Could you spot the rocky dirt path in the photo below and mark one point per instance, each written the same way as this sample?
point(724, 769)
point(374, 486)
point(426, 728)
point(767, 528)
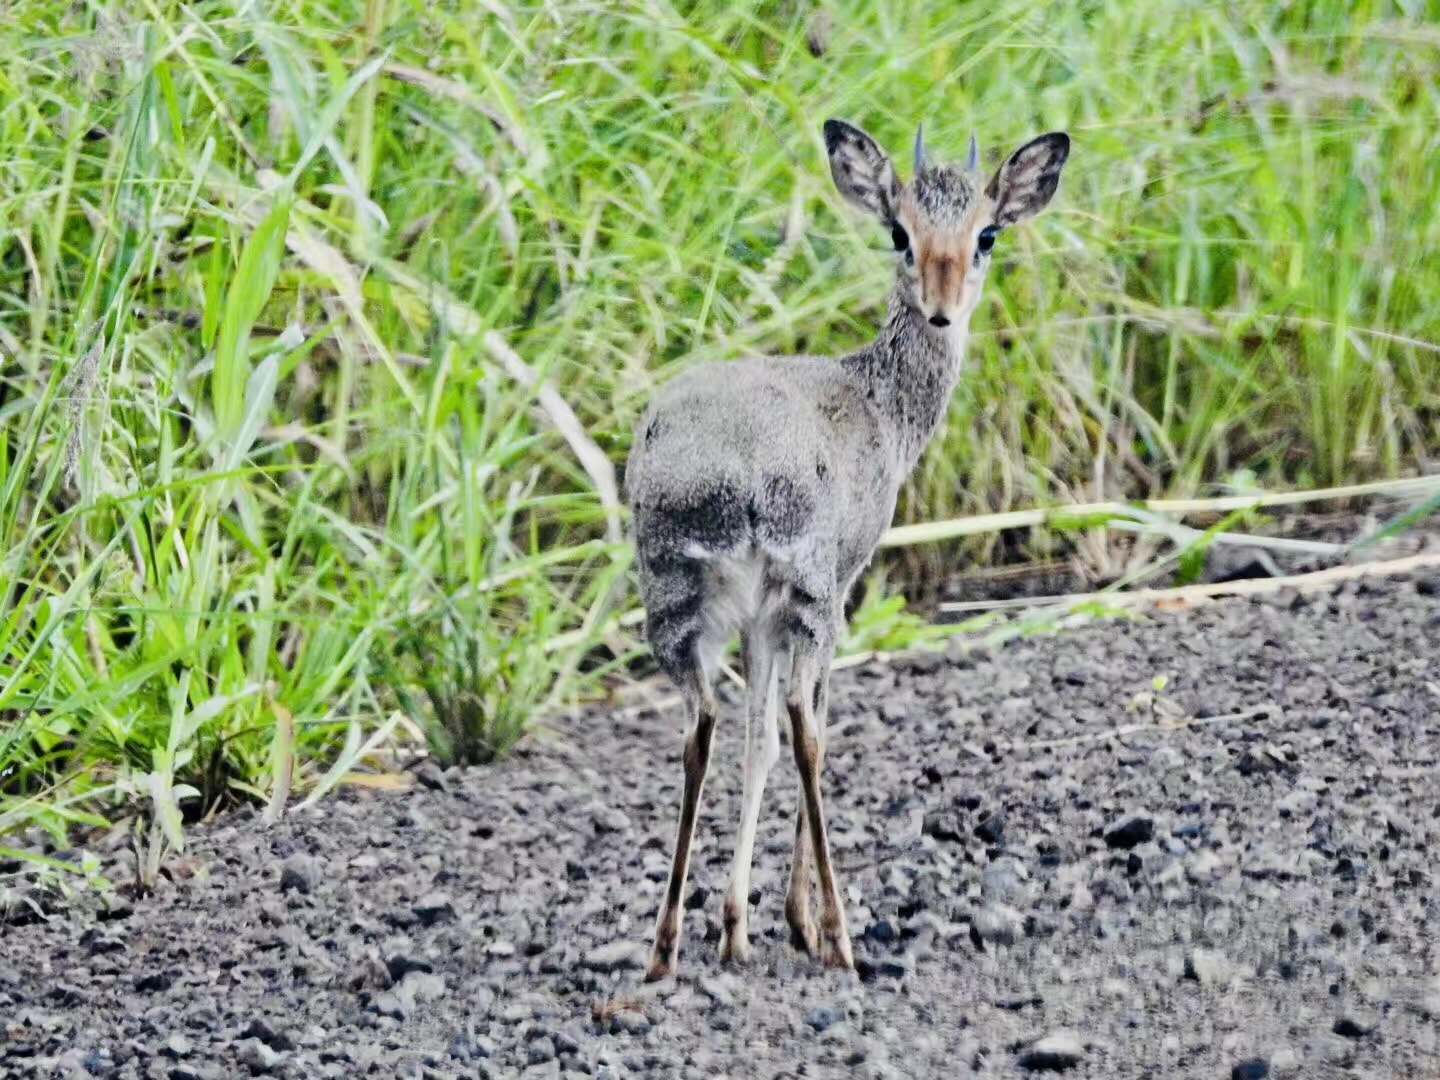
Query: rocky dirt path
point(1244, 882)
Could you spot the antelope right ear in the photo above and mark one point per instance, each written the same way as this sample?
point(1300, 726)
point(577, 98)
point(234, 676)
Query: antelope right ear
point(862, 171)
point(1028, 179)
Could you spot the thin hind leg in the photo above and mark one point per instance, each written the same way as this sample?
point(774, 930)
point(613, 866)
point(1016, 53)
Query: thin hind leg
point(700, 702)
point(762, 749)
point(801, 701)
point(803, 934)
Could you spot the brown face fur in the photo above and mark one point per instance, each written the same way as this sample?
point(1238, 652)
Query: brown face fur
point(942, 211)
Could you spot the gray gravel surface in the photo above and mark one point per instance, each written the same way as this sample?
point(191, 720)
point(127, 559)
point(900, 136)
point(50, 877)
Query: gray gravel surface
point(1052, 867)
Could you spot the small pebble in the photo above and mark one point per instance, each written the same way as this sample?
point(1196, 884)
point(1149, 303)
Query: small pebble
point(823, 1016)
point(300, 873)
point(257, 1057)
point(616, 956)
point(1056, 1052)
point(1130, 832)
point(1354, 1025)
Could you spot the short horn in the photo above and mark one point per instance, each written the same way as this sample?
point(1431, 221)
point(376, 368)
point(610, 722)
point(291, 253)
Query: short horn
point(919, 147)
point(972, 160)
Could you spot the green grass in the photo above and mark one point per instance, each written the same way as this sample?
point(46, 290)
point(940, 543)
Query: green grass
point(263, 491)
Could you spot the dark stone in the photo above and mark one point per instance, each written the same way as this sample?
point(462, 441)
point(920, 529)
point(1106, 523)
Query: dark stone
point(631, 1022)
point(257, 1057)
point(882, 931)
point(276, 1040)
point(394, 1004)
point(300, 873)
point(401, 964)
point(615, 956)
point(155, 981)
point(565, 1043)
point(1252, 764)
point(823, 1017)
point(66, 995)
point(1015, 1004)
point(434, 908)
point(1054, 1053)
point(944, 825)
point(116, 908)
point(991, 827)
point(1128, 833)
point(1353, 1026)
point(431, 776)
point(98, 943)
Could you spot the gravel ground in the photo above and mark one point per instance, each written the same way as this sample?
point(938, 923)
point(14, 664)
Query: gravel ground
point(1249, 893)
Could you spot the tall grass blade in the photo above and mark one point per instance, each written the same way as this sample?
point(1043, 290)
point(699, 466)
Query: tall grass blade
point(245, 297)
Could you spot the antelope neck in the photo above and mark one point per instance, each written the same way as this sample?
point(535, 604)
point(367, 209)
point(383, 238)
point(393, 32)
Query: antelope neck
point(908, 373)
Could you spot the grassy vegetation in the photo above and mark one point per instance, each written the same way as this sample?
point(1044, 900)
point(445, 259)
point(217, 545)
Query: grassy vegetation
point(267, 501)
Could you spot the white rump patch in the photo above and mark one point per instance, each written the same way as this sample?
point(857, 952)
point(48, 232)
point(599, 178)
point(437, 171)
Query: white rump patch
point(736, 600)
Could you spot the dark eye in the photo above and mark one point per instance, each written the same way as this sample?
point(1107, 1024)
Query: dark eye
point(986, 240)
point(899, 237)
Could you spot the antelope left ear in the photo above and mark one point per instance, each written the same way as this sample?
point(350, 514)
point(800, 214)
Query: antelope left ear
point(862, 171)
point(1027, 181)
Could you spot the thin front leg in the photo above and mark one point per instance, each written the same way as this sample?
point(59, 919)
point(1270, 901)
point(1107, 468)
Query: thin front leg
point(762, 749)
point(702, 707)
point(805, 736)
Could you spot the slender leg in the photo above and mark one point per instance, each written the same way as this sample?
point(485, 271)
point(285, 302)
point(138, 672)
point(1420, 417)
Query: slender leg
point(701, 702)
point(805, 733)
point(762, 750)
point(797, 898)
point(803, 935)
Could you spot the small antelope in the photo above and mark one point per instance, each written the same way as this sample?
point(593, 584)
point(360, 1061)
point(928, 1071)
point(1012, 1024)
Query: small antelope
point(760, 488)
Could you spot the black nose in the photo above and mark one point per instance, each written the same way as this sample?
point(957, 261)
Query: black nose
point(939, 320)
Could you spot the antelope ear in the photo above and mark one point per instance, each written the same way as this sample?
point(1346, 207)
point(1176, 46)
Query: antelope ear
point(1027, 181)
point(861, 170)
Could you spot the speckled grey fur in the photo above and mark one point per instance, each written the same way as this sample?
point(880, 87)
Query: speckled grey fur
point(797, 458)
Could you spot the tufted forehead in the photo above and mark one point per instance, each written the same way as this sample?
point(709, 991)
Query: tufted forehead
point(943, 194)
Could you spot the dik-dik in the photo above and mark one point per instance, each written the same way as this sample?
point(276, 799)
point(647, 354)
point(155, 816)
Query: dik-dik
point(761, 487)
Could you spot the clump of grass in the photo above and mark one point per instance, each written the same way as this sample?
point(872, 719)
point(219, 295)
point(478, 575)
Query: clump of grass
point(482, 678)
point(256, 466)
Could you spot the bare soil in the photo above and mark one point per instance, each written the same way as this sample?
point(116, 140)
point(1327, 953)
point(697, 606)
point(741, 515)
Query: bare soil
point(1196, 844)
